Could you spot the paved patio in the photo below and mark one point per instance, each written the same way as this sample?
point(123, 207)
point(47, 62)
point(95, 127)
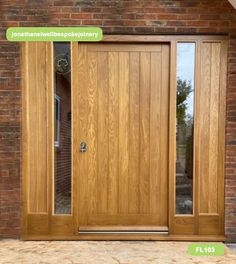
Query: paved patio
point(232, 247)
point(78, 252)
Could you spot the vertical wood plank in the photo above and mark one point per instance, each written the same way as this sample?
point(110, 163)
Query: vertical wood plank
point(37, 118)
point(221, 139)
point(92, 130)
point(25, 136)
point(50, 128)
point(144, 131)
point(74, 132)
point(42, 128)
point(81, 132)
point(113, 61)
point(155, 132)
point(33, 137)
point(196, 147)
point(172, 137)
point(103, 115)
point(134, 157)
point(204, 125)
point(213, 130)
point(164, 131)
point(123, 131)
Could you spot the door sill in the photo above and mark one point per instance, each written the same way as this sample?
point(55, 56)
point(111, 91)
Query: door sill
point(123, 230)
point(118, 237)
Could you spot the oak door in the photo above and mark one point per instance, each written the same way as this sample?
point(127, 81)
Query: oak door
point(121, 101)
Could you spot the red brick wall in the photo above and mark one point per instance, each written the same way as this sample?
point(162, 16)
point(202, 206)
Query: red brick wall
point(123, 16)
point(63, 152)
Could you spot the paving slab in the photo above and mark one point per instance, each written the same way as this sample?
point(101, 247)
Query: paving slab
point(103, 252)
point(232, 246)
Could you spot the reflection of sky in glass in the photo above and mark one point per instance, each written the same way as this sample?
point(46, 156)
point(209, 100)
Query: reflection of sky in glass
point(185, 69)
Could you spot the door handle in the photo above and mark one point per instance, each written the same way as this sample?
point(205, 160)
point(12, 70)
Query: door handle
point(83, 147)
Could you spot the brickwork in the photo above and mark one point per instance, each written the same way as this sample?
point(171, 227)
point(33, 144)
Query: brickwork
point(114, 16)
point(63, 152)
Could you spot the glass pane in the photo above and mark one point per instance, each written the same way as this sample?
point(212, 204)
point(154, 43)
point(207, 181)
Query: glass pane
point(62, 127)
point(185, 127)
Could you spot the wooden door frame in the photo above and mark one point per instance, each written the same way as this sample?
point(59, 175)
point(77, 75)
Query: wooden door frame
point(176, 222)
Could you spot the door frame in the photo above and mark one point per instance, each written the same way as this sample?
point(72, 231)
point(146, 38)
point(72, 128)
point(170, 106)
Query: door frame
point(176, 222)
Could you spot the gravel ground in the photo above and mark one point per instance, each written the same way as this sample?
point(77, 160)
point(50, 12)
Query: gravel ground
point(80, 252)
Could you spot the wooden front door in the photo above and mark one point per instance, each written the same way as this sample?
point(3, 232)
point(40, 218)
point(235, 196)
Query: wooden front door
point(121, 102)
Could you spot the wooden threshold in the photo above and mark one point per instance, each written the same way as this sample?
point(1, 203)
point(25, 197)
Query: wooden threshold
point(127, 230)
point(124, 237)
point(123, 229)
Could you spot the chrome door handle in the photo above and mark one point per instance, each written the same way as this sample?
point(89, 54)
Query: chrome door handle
point(83, 147)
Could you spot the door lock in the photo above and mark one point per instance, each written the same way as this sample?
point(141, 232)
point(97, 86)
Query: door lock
point(83, 147)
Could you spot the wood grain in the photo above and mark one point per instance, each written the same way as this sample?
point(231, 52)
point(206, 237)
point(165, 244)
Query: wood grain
point(221, 138)
point(126, 237)
point(37, 132)
point(155, 131)
point(102, 134)
point(208, 126)
point(165, 84)
point(204, 125)
point(144, 131)
point(131, 135)
point(75, 139)
point(157, 39)
point(81, 132)
point(134, 146)
point(127, 91)
point(37, 129)
point(123, 228)
point(172, 139)
point(123, 131)
point(211, 135)
point(214, 127)
point(113, 180)
point(92, 129)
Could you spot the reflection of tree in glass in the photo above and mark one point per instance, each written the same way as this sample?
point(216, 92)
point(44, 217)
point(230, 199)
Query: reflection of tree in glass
point(185, 127)
point(183, 91)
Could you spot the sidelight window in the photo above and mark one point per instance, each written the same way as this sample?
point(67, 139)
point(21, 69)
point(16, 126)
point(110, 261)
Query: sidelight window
point(62, 129)
point(185, 127)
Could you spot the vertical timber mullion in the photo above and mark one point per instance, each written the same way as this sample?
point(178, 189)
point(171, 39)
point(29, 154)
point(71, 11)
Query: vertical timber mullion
point(172, 138)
